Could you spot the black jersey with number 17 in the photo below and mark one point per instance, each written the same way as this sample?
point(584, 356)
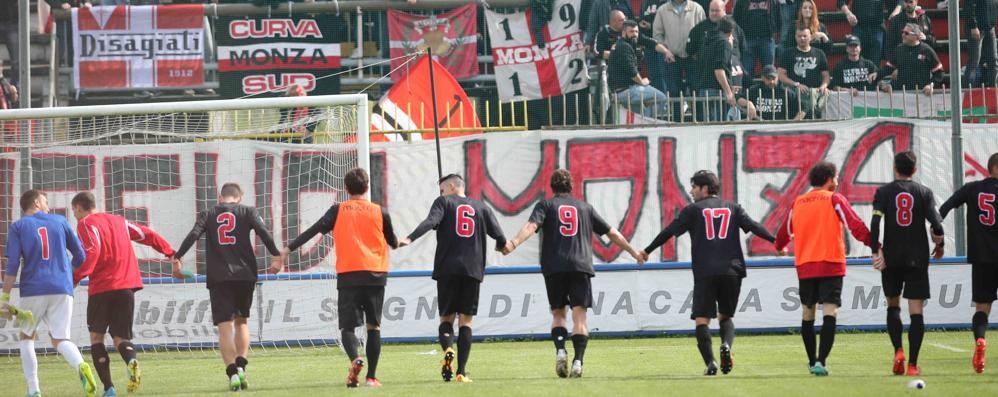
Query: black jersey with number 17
point(567, 225)
point(981, 198)
point(905, 206)
point(462, 226)
point(227, 228)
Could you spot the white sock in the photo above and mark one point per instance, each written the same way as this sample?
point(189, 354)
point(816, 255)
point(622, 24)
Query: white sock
point(71, 353)
point(29, 363)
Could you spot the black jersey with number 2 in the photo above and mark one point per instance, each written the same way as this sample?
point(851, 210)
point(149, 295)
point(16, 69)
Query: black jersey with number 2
point(227, 228)
point(567, 225)
point(462, 225)
point(905, 206)
point(713, 225)
point(981, 198)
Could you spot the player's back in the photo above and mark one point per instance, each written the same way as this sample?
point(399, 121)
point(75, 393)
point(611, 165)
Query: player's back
point(905, 206)
point(714, 234)
point(817, 228)
point(566, 226)
point(981, 198)
point(116, 253)
point(42, 240)
point(227, 229)
point(462, 236)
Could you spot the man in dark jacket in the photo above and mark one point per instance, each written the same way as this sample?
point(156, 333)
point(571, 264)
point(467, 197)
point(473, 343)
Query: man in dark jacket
point(761, 21)
point(913, 65)
point(910, 13)
point(867, 21)
point(980, 22)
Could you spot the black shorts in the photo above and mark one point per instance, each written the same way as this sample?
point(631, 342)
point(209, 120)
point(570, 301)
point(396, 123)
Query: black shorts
point(569, 289)
point(357, 304)
point(231, 299)
point(914, 281)
point(111, 312)
point(457, 294)
point(985, 282)
point(713, 294)
point(821, 290)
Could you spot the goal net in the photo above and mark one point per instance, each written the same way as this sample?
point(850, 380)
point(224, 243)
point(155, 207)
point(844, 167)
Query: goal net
point(159, 164)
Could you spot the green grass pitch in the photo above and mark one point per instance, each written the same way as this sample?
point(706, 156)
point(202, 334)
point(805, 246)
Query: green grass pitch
point(767, 365)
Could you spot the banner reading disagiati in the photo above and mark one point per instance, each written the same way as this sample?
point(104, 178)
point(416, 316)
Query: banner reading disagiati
point(625, 301)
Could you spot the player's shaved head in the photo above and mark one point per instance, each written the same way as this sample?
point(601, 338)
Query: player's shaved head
point(85, 201)
point(356, 181)
point(561, 181)
point(904, 163)
point(704, 178)
point(993, 165)
point(29, 197)
point(821, 173)
point(232, 190)
point(452, 178)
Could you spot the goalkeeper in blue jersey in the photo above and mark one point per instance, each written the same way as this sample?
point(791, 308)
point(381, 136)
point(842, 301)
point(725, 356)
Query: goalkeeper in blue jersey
point(41, 240)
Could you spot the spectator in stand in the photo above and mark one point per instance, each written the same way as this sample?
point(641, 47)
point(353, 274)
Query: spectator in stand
point(673, 23)
point(911, 13)
point(541, 12)
point(8, 36)
point(980, 23)
point(855, 73)
point(788, 14)
point(655, 62)
point(608, 35)
point(698, 39)
point(806, 69)
point(808, 17)
point(65, 28)
point(8, 96)
point(770, 100)
point(761, 21)
point(599, 15)
point(716, 61)
point(624, 76)
point(913, 65)
point(868, 24)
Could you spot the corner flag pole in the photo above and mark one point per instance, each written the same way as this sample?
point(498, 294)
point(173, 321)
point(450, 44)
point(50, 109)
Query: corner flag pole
point(436, 123)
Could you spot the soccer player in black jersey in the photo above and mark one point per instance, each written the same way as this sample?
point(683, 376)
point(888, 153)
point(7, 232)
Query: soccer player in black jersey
point(903, 259)
point(718, 261)
point(462, 225)
point(982, 248)
point(231, 270)
point(567, 225)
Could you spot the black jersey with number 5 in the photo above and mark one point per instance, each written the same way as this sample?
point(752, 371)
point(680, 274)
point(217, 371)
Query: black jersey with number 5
point(714, 226)
point(227, 229)
point(566, 225)
point(981, 198)
point(905, 206)
point(462, 225)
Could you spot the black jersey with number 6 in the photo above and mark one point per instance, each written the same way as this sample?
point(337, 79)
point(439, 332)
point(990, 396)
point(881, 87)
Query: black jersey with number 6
point(714, 238)
point(462, 225)
point(905, 206)
point(227, 228)
point(567, 225)
point(981, 198)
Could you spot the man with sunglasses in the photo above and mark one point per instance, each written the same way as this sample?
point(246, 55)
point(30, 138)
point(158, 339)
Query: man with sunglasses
point(913, 65)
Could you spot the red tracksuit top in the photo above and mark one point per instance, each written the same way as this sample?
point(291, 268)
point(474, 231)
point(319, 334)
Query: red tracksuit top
point(111, 263)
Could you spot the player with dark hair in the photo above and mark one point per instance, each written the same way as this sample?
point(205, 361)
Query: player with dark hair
point(903, 260)
point(816, 221)
point(114, 278)
point(46, 288)
point(462, 225)
point(567, 225)
point(231, 272)
point(718, 261)
point(981, 198)
point(363, 233)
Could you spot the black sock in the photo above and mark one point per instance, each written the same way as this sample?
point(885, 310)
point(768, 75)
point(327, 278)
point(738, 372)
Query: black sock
point(230, 370)
point(242, 362)
point(810, 340)
point(704, 344)
point(727, 331)
point(827, 338)
point(894, 326)
point(558, 335)
point(579, 343)
point(915, 334)
point(127, 351)
point(102, 363)
point(349, 341)
point(980, 324)
point(373, 351)
point(445, 334)
point(463, 348)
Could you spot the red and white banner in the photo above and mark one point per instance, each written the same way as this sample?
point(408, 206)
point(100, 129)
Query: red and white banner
point(138, 46)
point(523, 69)
point(452, 36)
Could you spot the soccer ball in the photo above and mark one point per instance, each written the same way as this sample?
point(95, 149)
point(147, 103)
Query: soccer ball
point(916, 384)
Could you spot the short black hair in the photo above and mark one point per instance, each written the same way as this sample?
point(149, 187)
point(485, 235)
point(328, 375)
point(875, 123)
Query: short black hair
point(630, 24)
point(561, 181)
point(84, 200)
point(821, 173)
point(726, 25)
point(706, 178)
point(28, 198)
point(993, 163)
point(231, 189)
point(356, 181)
point(904, 163)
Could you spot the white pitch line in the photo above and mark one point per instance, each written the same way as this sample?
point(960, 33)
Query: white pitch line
point(947, 347)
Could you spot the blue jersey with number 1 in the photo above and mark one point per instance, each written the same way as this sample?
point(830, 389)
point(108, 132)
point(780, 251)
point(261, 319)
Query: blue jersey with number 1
point(42, 240)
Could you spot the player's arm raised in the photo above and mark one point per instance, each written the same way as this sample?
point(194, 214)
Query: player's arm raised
point(323, 225)
point(431, 222)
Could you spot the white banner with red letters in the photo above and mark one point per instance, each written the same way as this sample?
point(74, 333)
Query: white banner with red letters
point(138, 46)
point(523, 69)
